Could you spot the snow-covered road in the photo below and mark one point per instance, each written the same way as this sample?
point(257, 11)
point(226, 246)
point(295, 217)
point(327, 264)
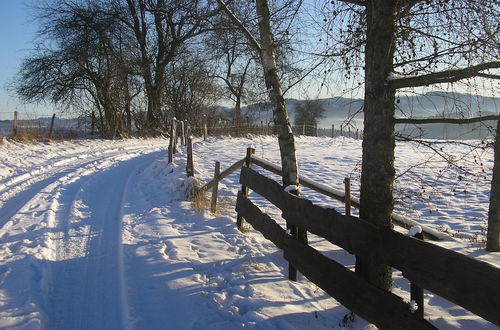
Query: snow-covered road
point(61, 227)
point(99, 235)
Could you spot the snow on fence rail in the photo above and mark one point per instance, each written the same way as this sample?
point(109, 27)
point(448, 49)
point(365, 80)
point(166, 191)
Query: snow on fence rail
point(467, 282)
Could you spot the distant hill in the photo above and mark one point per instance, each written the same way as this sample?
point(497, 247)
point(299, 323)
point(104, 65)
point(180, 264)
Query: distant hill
point(342, 111)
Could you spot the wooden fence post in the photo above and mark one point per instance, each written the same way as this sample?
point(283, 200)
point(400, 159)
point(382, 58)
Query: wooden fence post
point(416, 292)
point(171, 145)
point(341, 131)
point(182, 134)
point(215, 189)
point(333, 131)
point(349, 132)
point(51, 128)
point(14, 124)
point(244, 189)
point(190, 165)
point(92, 123)
point(316, 129)
point(205, 131)
point(347, 196)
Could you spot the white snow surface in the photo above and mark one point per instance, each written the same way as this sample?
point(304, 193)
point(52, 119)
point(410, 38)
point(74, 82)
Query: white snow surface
point(99, 235)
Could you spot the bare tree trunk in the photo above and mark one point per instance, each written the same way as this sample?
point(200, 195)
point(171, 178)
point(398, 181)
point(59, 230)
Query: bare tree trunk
point(378, 172)
point(280, 115)
point(492, 243)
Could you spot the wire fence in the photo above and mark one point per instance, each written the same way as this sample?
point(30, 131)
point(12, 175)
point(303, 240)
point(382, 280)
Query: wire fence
point(23, 125)
point(31, 125)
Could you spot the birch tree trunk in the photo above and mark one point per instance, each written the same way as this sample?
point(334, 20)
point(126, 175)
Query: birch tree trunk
point(273, 84)
point(377, 173)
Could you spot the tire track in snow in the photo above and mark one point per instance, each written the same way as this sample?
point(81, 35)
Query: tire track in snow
point(36, 232)
point(88, 290)
point(17, 191)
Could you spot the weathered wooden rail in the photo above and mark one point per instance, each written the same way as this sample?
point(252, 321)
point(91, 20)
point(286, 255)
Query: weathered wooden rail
point(340, 195)
point(467, 282)
point(336, 194)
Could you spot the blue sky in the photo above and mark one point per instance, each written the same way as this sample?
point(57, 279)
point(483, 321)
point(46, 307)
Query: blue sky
point(16, 36)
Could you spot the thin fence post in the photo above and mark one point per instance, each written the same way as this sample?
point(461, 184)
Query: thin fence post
point(357, 134)
point(205, 131)
point(268, 124)
point(304, 128)
point(333, 131)
point(182, 132)
point(189, 165)
point(171, 145)
point(51, 128)
point(316, 129)
point(92, 123)
point(416, 292)
point(187, 131)
point(14, 124)
point(215, 189)
point(341, 131)
point(349, 132)
point(244, 189)
point(347, 196)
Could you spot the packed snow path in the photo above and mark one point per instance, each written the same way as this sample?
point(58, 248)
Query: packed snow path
point(76, 204)
point(98, 235)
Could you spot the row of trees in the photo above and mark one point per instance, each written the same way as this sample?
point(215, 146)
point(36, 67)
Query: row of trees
point(174, 58)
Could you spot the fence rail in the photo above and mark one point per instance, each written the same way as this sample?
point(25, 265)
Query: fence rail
point(340, 195)
point(467, 282)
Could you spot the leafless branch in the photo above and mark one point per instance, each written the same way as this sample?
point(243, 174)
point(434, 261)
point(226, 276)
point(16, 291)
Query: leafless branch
point(448, 76)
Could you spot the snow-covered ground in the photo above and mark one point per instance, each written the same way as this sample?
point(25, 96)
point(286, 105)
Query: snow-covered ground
point(98, 235)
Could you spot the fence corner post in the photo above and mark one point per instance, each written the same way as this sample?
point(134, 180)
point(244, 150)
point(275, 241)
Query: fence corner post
point(244, 189)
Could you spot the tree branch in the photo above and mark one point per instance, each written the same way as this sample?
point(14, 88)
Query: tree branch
point(447, 76)
point(355, 2)
point(445, 120)
point(251, 39)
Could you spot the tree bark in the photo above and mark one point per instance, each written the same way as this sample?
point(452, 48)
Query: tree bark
point(492, 236)
point(377, 174)
point(280, 116)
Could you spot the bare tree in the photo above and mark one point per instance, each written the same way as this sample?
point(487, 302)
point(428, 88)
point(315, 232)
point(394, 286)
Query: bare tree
point(307, 113)
point(406, 43)
point(234, 60)
point(79, 55)
point(161, 28)
point(190, 88)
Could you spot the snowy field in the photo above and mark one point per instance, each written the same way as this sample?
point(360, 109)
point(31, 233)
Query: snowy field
point(98, 235)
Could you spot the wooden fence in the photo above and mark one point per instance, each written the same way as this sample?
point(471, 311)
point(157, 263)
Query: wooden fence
point(467, 282)
point(342, 196)
point(263, 128)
